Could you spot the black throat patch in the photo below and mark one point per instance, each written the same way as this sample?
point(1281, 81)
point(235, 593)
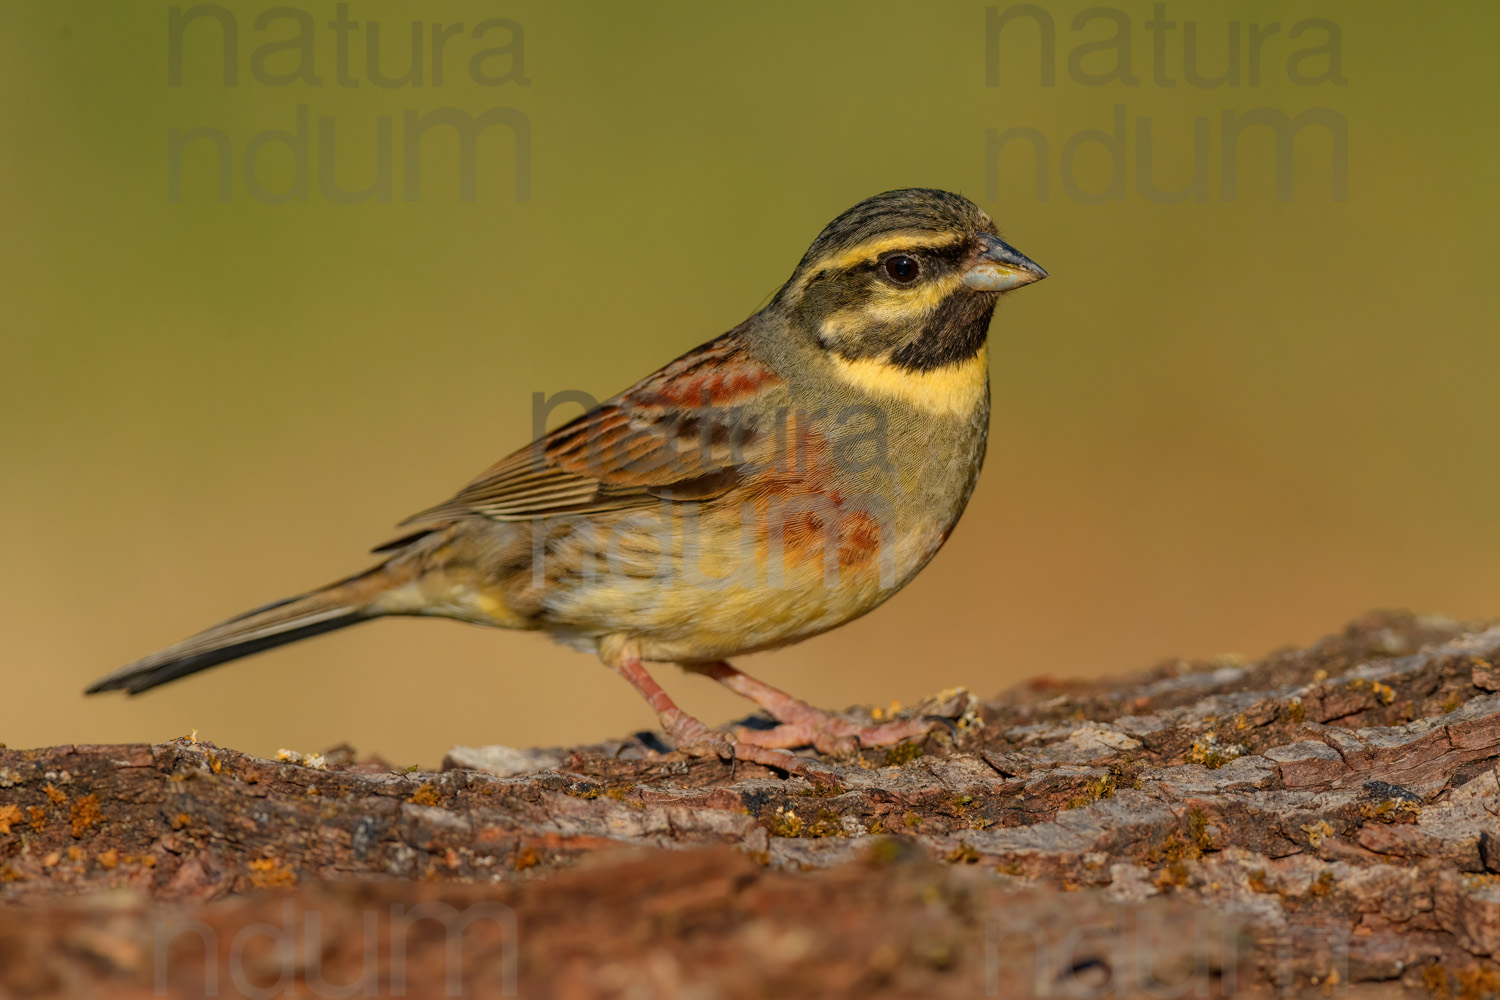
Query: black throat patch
point(954, 333)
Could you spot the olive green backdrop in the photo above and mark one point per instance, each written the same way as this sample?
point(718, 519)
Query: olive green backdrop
point(1221, 425)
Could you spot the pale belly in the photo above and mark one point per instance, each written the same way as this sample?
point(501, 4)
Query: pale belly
point(724, 584)
point(706, 613)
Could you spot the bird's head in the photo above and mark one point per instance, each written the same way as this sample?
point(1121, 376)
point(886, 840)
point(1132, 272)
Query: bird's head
point(906, 279)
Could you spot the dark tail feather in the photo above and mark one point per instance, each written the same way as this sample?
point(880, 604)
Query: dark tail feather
point(141, 676)
point(334, 607)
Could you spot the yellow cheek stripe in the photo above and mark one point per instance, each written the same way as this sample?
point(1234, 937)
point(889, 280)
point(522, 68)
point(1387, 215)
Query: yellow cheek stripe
point(836, 326)
point(955, 391)
point(893, 302)
point(891, 305)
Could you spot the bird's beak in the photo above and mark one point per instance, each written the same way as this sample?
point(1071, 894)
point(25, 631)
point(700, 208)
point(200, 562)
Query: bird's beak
point(1001, 267)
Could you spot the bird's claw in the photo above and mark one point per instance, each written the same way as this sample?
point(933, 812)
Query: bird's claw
point(695, 739)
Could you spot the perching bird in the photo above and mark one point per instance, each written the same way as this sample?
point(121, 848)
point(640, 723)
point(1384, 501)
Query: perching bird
point(776, 482)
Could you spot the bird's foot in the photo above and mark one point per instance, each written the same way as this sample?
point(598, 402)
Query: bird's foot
point(834, 735)
point(803, 725)
point(695, 739)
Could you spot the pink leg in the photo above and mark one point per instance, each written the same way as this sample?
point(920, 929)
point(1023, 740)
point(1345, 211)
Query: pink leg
point(693, 737)
point(801, 723)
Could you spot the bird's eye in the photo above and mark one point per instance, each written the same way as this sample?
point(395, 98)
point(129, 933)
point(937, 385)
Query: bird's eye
point(901, 269)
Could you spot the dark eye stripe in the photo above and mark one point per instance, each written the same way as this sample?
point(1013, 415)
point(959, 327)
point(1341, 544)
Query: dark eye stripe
point(952, 252)
point(948, 253)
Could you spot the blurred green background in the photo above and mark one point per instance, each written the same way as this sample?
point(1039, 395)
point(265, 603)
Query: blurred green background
point(1220, 426)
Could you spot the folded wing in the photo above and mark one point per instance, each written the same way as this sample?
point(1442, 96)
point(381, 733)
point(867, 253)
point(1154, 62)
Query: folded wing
point(688, 432)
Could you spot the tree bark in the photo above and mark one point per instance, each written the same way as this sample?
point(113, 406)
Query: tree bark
point(1318, 821)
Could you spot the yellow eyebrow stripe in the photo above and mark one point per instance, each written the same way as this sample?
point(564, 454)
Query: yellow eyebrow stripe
point(955, 390)
point(870, 249)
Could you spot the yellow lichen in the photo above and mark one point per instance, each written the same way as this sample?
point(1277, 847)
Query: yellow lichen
point(902, 753)
point(1174, 876)
point(316, 761)
point(963, 853)
point(827, 824)
point(1186, 843)
point(9, 813)
point(1390, 810)
point(85, 814)
point(425, 795)
point(1127, 773)
point(1317, 832)
point(1100, 788)
point(271, 873)
point(1208, 751)
point(784, 822)
point(1477, 982)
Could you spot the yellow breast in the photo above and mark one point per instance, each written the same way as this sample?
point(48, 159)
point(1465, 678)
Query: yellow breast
point(955, 390)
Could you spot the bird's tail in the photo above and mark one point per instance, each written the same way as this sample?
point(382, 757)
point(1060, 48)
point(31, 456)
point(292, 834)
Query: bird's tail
point(333, 607)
